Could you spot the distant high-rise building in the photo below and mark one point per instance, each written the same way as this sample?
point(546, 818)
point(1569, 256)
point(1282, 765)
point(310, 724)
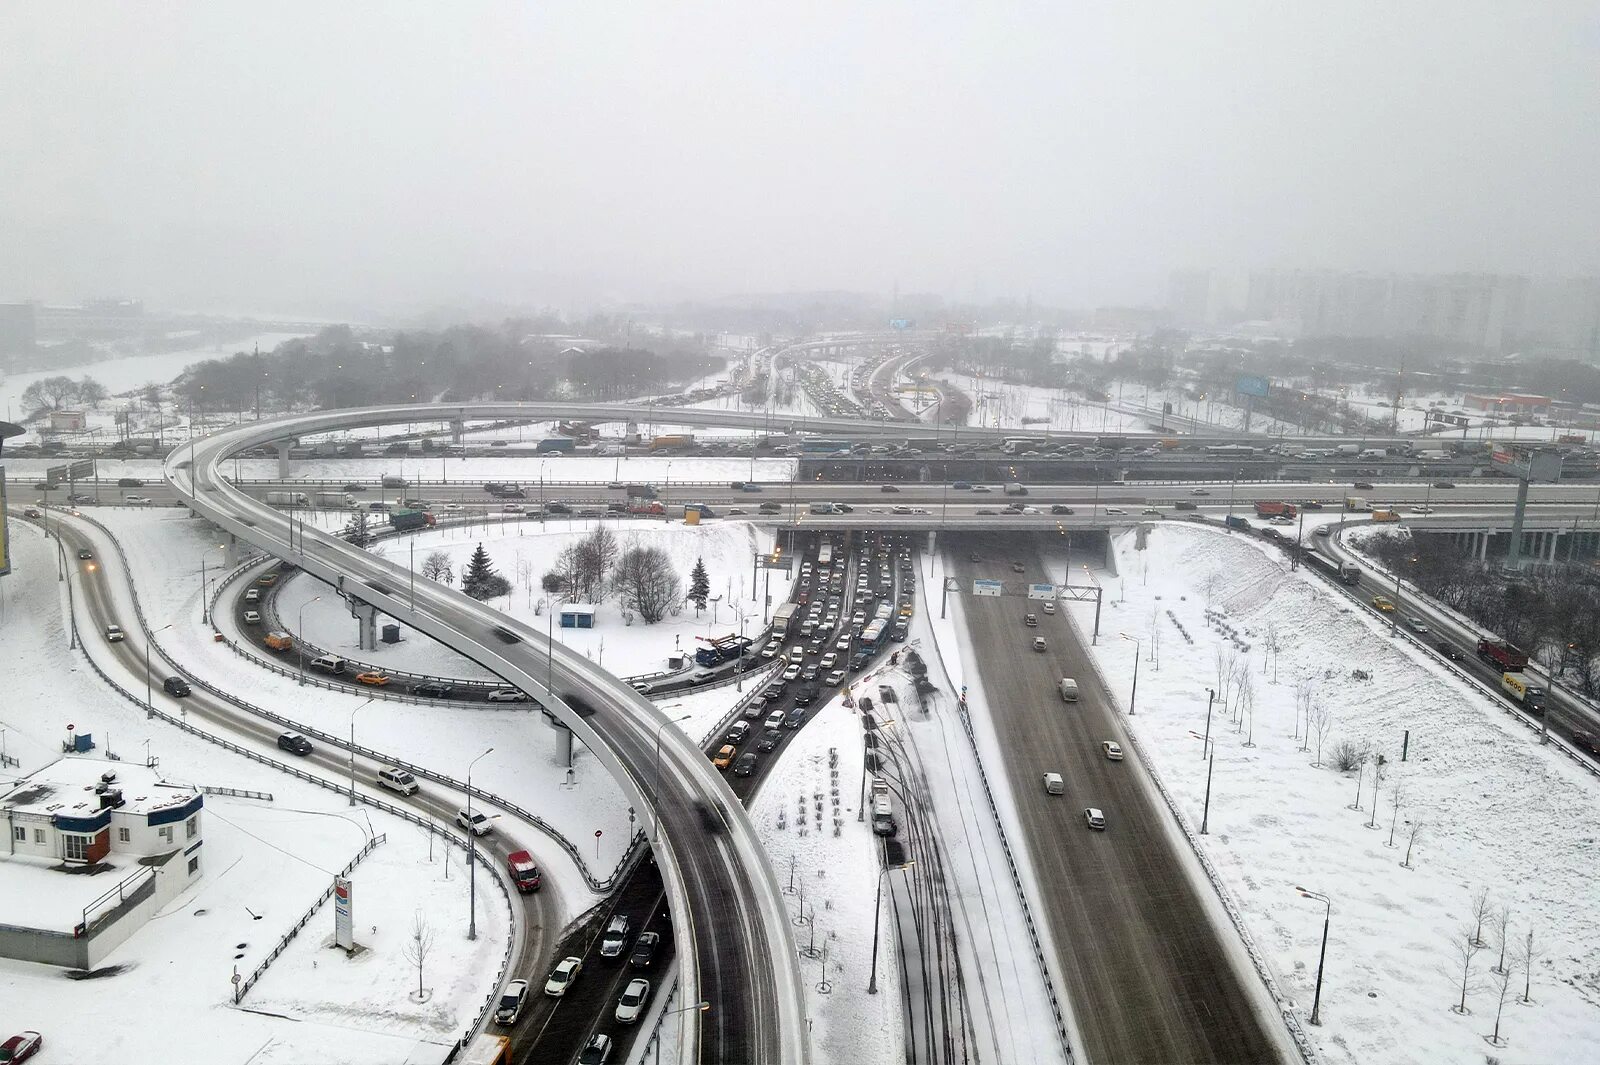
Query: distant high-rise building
point(1479, 310)
point(18, 329)
point(1563, 318)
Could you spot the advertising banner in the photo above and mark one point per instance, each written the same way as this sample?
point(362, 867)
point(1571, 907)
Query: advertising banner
point(343, 917)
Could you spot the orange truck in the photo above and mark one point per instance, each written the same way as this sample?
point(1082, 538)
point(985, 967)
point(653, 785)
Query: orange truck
point(279, 641)
point(1275, 508)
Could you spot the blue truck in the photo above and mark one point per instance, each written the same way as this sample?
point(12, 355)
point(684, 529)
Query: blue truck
point(555, 443)
point(1233, 521)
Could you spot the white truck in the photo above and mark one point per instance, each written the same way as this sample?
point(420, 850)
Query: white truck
point(1347, 449)
point(820, 507)
point(288, 499)
point(335, 499)
point(1375, 453)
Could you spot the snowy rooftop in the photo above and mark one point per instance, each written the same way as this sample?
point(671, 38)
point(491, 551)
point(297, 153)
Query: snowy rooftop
point(66, 788)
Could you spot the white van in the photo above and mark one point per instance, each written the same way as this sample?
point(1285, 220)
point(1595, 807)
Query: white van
point(397, 780)
point(328, 663)
point(1069, 689)
point(1054, 785)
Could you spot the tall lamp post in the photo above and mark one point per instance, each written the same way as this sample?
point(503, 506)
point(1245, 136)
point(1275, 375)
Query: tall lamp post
point(1316, 1002)
point(655, 790)
point(300, 644)
point(353, 714)
point(472, 852)
point(1134, 694)
point(877, 908)
point(149, 707)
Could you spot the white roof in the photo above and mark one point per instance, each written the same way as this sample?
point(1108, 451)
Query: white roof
point(66, 788)
point(578, 608)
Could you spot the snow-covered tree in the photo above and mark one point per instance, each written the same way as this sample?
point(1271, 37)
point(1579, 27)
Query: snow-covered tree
point(358, 532)
point(480, 580)
point(436, 567)
point(699, 586)
point(646, 581)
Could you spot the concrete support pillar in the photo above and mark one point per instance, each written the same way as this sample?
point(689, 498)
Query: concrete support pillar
point(1518, 515)
point(563, 738)
point(1483, 547)
point(283, 459)
point(1111, 554)
point(456, 428)
point(1550, 555)
point(234, 555)
point(366, 616)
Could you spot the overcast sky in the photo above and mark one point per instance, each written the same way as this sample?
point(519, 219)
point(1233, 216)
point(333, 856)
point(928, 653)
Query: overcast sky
point(306, 156)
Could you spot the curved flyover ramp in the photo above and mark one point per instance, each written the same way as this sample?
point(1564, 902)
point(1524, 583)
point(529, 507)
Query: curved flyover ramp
point(727, 912)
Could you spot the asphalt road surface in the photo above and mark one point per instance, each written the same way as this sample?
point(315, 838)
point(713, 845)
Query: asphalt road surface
point(1147, 975)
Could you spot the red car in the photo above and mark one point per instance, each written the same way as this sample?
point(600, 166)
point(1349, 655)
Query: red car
point(523, 872)
point(20, 1047)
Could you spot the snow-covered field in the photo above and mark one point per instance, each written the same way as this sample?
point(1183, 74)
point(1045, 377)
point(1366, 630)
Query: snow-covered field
point(1000, 403)
point(165, 548)
point(264, 865)
point(1489, 807)
point(522, 554)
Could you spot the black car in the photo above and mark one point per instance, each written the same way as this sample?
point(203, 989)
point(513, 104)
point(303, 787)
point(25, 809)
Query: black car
point(806, 695)
point(1061, 508)
point(557, 508)
point(1311, 504)
point(1585, 742)
point(176, 687)
point(795, 717)
point(769, 507)
point(1444, 484)
point(887, 488)
point(355, 486)
point(745, 764)
point(432, 689)
point(85, 553)
point(773, 692)
point(1363, 485)
point(1449, 651)
point(294, 743)
point(769, 740)
point(644, 950)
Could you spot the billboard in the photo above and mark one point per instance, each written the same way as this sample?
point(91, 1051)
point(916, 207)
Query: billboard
point(1527, 463)
point(902, 323)
point(1041, 591)
point(1246, 385)
point(981, 586)
point(343, 918)
point(5, 533)
point(76, 471)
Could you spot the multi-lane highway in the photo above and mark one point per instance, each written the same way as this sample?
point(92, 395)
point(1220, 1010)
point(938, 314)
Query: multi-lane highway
point(1147, 971)
point(729, 917)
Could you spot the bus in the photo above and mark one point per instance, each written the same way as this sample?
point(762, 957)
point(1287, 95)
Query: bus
point(825, 553)
point(486, 1050)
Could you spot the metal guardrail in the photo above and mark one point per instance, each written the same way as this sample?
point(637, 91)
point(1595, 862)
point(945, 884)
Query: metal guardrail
point(241, 989)
point(236, 793)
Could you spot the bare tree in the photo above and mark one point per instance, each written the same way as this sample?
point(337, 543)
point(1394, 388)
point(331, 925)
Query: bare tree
point(1247, 706)
point(594, 556)
point(1411, 841)
point(1271, 657)
point(646, 581)
point(1396, 796)
point(1241, 677)
point(1527, 954)
point(1304, 690)
point(1502, 988)
point(417, 948)
point(1482, 910)
point(436, 567)
point(1464, 951)
point(1500, 921)
point(1320, 721)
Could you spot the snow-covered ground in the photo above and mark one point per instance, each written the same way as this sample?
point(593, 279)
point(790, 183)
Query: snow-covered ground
point(264, 865)
point(523, 554)
point(1001, 403)
point(165, 548)
point(1490, 807)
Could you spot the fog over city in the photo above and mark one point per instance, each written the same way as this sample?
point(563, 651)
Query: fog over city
point(378, 158)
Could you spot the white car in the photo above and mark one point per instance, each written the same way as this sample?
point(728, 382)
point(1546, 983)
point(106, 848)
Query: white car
point(252, 617)
point(1095, 819)
point(771, 650)
point(114, 634)
point(507, 695)
point(829, 659)
point(1049, 606)
point(512, 508)
point(1115, 510)
point(1113, 750)
point(510, 1007)
point(476, 822)
point(136, 501)
point(792, 672)
point(843, 643)
point(834, 679)
point(561, 977)
point(1198, 492)
point(631, 1004)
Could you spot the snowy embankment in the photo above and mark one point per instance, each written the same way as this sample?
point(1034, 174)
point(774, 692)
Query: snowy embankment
point(998, 403)
point(524, 552)
point(165, 547)
point(1476, 804)
point(263, 865)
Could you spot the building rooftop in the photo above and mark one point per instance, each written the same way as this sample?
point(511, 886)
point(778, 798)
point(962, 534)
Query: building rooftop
point(66, 788)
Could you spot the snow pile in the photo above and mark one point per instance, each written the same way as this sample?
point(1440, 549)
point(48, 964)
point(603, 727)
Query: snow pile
point(1476, 804)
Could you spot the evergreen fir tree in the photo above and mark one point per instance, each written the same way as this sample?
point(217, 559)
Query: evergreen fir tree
point(699, 586)
point(480, 580)
point(357, 531)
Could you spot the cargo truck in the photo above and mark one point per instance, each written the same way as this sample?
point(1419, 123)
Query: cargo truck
point(1012, 488)
point(820, 507)
point(783, 618)
point(640, 491)
point(1531, 696)
point(674, 440)
point(1344, 572)
point(335, 499)
point(1234, 521)
point(1385, 515)
point(1273, 509)
point(1347, 449)
point(405, 520)
point(1507, 656)
point(555, 444)
point(652, 507)
point(288, 499)
point(1356, 503)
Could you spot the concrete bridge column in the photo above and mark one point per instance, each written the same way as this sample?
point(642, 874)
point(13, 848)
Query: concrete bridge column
point(232, 554)
point(283, 459)
point(366, 616)
point(1483, 547)
point(1550, 556)
point(456, 428)
point(563, 738)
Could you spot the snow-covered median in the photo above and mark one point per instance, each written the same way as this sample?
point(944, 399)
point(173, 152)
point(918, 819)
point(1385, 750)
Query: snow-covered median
point(1476, 804)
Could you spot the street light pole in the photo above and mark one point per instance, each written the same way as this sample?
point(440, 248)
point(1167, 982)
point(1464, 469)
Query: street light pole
point(1211, 696)
point(353, 714)
point(149, 707)
point(1316, 1002)
point(472, 852)
point(1134, 694)
point(300, 644)
point(1205, 814)
point(877, 909)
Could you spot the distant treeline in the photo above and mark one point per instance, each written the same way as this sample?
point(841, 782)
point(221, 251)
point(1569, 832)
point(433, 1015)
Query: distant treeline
point(461, 364)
